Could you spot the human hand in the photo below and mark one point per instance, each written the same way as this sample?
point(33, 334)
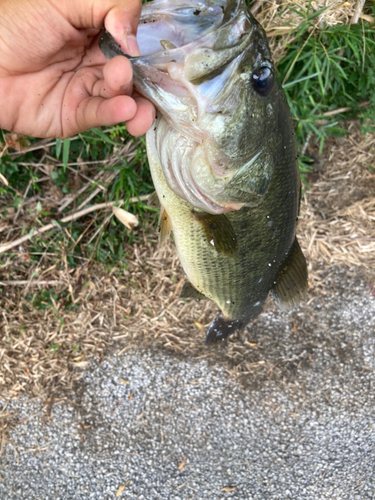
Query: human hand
point(54, 81)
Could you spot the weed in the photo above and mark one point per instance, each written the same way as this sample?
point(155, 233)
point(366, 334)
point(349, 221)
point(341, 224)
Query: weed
point(55, 348)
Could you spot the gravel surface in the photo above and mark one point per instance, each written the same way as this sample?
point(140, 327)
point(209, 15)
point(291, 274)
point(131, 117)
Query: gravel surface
point(148, 425)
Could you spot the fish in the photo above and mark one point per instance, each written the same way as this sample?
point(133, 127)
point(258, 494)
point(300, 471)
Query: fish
point(222, 155)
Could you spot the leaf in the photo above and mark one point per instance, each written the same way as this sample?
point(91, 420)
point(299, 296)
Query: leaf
point(182, 464)
point(3, 179)
point(16, 141)
point(198, 325)
point(121, 489)
point(317, 13)
point(102, 135)
point(66, 150)
point(302, 14)
point(123, 381)
point(300, 80)
point(129, 220)
point(59, 143)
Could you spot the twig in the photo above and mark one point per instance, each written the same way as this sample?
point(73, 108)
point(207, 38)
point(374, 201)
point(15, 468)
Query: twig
point(340, 110)
point(21, 204)
point(97, 190)
point(255, 7)
point(99, 206)
point(100, 228)
point(343, 110)
point(306, 145)
point(39, 145)
point(91, 181)
point(128, 151)
point(33, 283)
point(71, 197)
point(70, 164)
point(357, 11)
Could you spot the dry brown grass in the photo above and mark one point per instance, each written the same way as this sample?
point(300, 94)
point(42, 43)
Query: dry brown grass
point(337, 223)
point(277, 18)
point(43, 351)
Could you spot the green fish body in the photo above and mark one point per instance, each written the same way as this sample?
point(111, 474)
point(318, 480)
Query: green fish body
point(222, 156)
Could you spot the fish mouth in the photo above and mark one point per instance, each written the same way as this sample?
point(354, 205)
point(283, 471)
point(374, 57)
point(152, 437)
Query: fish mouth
point(189, 54)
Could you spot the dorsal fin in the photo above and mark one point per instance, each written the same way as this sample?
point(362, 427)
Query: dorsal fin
point(291, 285)
point(190, 292)
point(164, 226)
point(218, 231)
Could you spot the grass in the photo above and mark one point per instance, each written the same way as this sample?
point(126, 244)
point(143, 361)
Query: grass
point(328, 73)
point(330, 69)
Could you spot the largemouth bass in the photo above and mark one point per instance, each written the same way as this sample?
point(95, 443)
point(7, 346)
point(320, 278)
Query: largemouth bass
point(222, 155)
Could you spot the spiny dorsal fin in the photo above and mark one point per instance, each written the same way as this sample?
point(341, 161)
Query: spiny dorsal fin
point(218, 231)
point(291, 285)
point(190, 292)
point(164, 227)
point(153, 201)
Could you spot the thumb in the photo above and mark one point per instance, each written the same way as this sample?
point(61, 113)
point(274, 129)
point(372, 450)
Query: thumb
point(122, 23)
point(119, 17)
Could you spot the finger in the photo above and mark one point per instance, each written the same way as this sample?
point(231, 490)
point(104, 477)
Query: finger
point(97, 112)
point(118, 79)
point(123, 24)
point(142, 121)
point(120, 17)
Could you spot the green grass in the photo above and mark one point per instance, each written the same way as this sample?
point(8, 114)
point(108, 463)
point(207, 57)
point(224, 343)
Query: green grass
point(322, 70)
point(327, 70)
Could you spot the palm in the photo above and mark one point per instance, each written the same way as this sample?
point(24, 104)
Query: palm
point(55, 83)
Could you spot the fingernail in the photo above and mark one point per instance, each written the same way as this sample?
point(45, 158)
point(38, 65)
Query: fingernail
point(131, 45)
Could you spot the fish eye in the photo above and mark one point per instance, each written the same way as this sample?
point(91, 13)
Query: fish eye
point(263, 80)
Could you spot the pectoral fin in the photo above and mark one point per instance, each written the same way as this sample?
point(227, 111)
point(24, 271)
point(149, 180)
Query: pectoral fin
point(291, 285)
point(164, 227)
point(153, 201)
point(219, 232)
point(190, 292)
